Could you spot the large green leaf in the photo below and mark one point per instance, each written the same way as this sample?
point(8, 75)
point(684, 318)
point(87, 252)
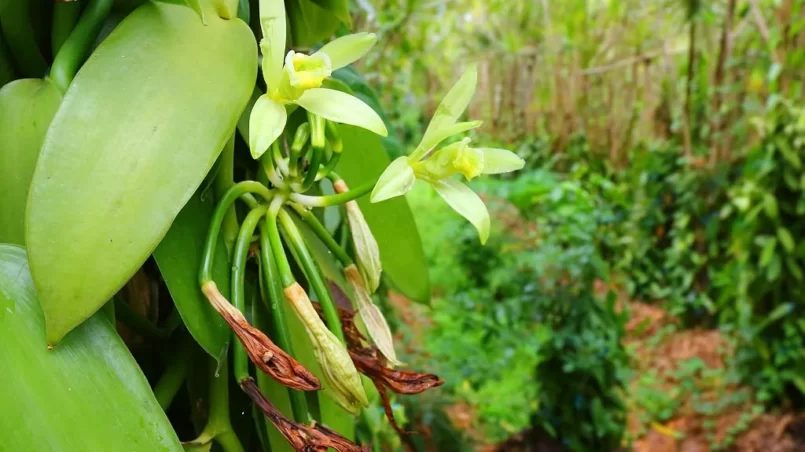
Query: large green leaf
point(140, 126)
point(338, 8)
point(179, 259)
point(86, 394)
point(391, 221)
point(310, 23)
point(6, 65)
point(26, 108)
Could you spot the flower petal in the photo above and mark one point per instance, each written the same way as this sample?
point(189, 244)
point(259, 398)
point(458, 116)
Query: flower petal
point(347, 49)
point(466, 203)
point(266, 123)
point(272, 22)
point(498, 161)
point(432, 140)
point(396, 180)
point(342, 108)
point(451, 108)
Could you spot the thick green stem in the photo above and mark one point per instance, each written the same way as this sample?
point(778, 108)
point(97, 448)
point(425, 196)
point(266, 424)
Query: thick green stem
point(175, 374)
point(275, 299)
point(313, 273)
point(241, 253)
point(19, 35)
point(236, 191)
point(77, 47)
point(333, 200)
point(65, 16)
point(224, 180)
point(218, 423)
point(283, 267)
point(321, 232)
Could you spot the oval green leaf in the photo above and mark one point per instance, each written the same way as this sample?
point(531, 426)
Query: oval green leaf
point(178, 257)
point(27, 107)
point(391, 222)
point(140, 126)
point(86, 394)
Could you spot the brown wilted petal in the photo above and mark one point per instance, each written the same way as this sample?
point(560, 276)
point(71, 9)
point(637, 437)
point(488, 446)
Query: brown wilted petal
point(317, 438)
point(262, 351)
point(399, 381)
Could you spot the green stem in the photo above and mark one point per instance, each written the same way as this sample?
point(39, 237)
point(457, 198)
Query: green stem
point(327, 169)
point(218, 424)
point(77, 47)
point(313, 273)
point(238, 296)
point(267, 159)
point(333, 200)
point(65, 16)
point(321, 232)
point(275, 299)
point(174, 375)
point(224, 180)
point(283, 267)
point(237, 190)
point(313, 169)
point(18, 31)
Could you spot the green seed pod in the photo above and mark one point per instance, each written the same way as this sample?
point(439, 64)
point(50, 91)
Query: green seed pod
point(26, 108)
point(137, 131)
point(86, 394)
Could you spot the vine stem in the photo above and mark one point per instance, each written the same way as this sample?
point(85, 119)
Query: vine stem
point(224, 180)
point(241, 252)
point(77, 46)
point(175, 374)
point(241, 189)
point(313, 273)
point(321, 232)
point(275, 299)
point(333, 200)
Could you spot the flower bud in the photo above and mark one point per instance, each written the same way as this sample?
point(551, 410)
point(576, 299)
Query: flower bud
point(301, 137)
point(367, 253)
point(372, 318)
point(339, 371)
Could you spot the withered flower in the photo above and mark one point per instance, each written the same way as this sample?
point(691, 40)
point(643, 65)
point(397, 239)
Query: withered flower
point(301, 437)
point(263, 352)
point(370, 362)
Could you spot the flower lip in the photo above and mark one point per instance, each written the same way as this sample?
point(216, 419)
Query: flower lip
point(307, 71)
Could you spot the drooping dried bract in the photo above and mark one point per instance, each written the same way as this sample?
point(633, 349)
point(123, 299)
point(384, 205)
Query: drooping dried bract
point(266, 355)
point(301, 437)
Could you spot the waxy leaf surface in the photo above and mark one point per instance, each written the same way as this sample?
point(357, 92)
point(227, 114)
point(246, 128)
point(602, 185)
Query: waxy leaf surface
point(86, 394)
point(139, 128)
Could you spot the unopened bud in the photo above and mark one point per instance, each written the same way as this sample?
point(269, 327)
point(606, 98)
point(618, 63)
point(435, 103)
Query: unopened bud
point(372, 318)
point(261, 350)
point(301, 137)
point(335, 362)
point(367, 253)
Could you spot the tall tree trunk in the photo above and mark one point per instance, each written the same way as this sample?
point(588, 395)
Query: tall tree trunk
point(688, 113)
point(716, 151)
